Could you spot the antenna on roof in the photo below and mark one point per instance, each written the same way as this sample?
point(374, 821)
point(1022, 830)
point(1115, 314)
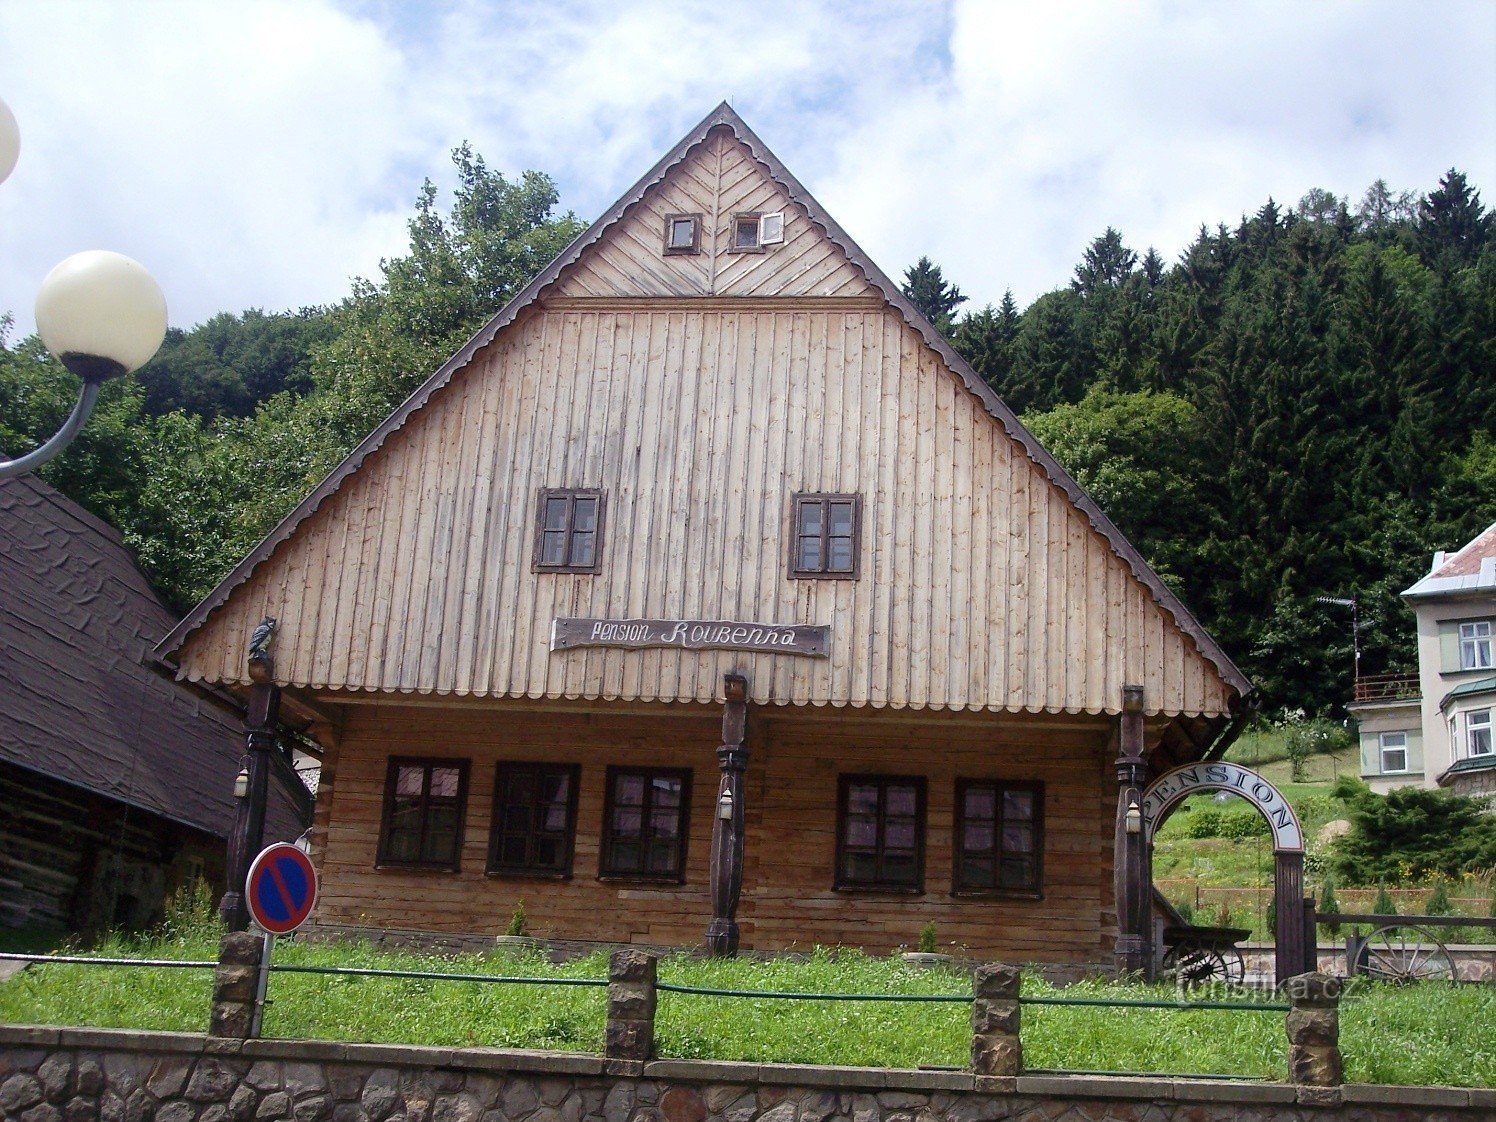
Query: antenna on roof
point(1349, 602)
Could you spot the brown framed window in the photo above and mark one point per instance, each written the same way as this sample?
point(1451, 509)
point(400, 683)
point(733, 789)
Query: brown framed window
point(534, 819)
point(746, 233)
point(880, 832)
point(644, 823)
point(999, 836)
point(569, 530)
point(424, 802)
point(826, 536)
point(682, 233)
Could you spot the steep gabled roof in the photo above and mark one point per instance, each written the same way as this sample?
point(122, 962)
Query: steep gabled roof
point(76, 701)
point(725, 118)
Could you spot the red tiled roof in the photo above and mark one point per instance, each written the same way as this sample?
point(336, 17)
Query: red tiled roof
point(1467, 561)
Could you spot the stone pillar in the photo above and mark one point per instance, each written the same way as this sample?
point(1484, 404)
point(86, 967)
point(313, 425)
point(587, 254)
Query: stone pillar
point(234, 984)
point(728, 820)
point(631, 1005)
point(1314, 1030)
point(995, 1046)
point(1131, 880)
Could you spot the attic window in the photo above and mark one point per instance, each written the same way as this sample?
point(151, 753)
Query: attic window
point(745, 233)
point(682, 233)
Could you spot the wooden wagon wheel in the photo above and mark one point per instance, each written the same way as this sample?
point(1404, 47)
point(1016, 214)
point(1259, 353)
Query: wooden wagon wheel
point(1191, 964)
point(1402, 952)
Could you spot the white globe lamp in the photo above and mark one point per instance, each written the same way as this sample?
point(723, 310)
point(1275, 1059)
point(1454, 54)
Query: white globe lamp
point(10, 141)
point(101, 314)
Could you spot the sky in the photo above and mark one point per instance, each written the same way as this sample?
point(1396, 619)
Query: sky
point(265, 154)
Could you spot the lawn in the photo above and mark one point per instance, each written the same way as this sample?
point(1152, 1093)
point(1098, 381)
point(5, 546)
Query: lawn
point(1412, 1035)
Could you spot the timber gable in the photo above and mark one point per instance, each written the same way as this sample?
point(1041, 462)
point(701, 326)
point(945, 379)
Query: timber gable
point(701, 391)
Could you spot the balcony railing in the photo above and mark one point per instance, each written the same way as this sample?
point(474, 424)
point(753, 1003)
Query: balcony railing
point(1387, 687)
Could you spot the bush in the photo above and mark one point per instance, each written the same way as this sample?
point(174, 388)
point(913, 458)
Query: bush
point(1302, 739)
point(1411, 833)
point(518, 923)
point(1328, 905)
point(927, 938)
point(1384, 904)
point(1237, 823)
point(1438, 903)
point(1186, 911)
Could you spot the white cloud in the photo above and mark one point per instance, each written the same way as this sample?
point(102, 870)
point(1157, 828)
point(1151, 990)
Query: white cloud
point(262, 154)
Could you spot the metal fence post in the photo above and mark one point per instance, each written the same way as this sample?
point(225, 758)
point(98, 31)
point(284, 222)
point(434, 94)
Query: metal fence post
point(995, 1045)
point(234, 985)
point(631, 1005)
point(1314, 1030)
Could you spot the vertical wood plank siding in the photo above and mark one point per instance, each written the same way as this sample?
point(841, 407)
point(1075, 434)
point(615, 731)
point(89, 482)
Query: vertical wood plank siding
point(791, 784)
point(701, 392)
point(982, 587)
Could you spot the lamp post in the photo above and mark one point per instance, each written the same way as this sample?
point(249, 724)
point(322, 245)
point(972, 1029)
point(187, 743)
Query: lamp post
point(100, 313)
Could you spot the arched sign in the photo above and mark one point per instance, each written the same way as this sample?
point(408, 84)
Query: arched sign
point(1165, 792)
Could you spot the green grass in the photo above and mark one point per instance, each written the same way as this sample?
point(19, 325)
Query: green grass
point(1398, 1035)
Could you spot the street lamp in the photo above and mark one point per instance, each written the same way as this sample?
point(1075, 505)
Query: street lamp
point(100, 313)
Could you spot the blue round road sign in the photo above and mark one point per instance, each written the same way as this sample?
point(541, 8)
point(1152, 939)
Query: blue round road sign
point(281, 888)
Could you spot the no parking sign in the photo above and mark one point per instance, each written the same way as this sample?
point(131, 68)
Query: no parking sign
point(281, 888)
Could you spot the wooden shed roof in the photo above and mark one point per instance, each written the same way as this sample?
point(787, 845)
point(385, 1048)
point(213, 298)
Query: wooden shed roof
point(723, 117)
point(77, 702)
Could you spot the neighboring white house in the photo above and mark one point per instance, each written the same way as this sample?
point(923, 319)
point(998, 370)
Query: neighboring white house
point(1437, 729)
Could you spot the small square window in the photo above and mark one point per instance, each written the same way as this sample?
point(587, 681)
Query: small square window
point(771, 228)
point(825, 531)
point(568, 530)
point(745, 234)
point(682, 233)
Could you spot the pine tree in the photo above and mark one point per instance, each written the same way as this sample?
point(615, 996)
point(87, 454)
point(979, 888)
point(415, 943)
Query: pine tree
point(1452, 223)
point(1438, 903)
point(985, 339)
point(935, 298)
point(1106, 263)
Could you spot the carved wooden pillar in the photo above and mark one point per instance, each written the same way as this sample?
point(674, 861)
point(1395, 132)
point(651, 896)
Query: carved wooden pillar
point(727, 819)
point(1294, 953)
point(248, 837)
point(1130, 862)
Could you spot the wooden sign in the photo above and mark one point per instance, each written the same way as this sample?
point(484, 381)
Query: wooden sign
point(807, 640)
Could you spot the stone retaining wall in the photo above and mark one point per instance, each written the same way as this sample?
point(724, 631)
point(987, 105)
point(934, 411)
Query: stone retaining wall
point(105, 1075)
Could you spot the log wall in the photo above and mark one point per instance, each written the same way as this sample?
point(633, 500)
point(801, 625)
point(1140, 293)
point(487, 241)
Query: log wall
point(791, 787)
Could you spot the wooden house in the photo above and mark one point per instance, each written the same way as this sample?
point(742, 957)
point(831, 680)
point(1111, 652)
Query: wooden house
point(708, 593)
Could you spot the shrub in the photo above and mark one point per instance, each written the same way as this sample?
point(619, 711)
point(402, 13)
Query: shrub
point(1410, 833)
point(1186, 911)
point(1438, 903)
point(1384, 905)
point(927, 938)
point(1328, 905)
point(1317, 736)
point(1204, 823)
point(518, 924)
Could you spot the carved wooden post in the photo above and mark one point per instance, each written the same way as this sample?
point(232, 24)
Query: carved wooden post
point(1130, 865)
point(249, 821)
point(727, 820)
